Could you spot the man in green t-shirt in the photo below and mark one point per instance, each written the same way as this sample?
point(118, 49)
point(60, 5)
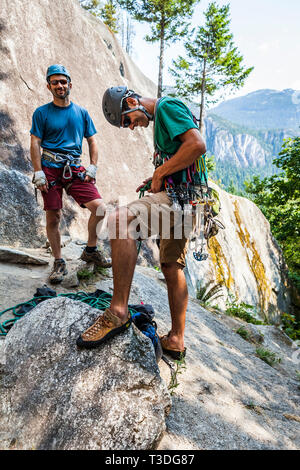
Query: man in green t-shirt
point(178, 144)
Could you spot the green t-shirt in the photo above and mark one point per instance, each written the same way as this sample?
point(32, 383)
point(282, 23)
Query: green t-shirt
point(172, 119)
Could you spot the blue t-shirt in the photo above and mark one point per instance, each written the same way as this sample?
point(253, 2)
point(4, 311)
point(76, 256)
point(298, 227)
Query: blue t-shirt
point(61, 129)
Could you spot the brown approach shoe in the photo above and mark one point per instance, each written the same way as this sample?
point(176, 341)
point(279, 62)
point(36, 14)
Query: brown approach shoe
point(97, 258)
point(105, 327)
point(59, 270)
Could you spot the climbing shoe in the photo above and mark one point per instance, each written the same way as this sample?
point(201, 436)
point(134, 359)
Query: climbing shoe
point(95, 257)
point(105, 327)
point(174, 353)
point(59, 270)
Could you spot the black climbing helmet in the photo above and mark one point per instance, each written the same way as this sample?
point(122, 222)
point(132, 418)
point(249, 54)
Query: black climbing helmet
point(112, 103)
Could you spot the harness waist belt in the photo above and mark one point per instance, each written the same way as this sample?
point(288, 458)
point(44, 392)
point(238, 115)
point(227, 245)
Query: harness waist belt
point(67, 159)
point(60, 157)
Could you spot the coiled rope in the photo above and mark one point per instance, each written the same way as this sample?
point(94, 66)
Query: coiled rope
point(101, 302)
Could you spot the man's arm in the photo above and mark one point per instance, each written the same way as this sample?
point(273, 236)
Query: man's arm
point(93, 151)
point(191, 148)
point(35, 154)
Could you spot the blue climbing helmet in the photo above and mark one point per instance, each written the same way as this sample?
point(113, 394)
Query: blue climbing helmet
point(57, 69)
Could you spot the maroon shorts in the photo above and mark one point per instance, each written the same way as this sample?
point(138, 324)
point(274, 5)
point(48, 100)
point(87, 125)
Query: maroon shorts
point(82, 192)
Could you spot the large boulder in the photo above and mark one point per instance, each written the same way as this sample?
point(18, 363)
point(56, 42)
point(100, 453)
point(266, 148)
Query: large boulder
point(54, 396)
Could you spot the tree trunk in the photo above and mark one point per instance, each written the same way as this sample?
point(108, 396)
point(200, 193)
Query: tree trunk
point(202, 104)
point(161, 60)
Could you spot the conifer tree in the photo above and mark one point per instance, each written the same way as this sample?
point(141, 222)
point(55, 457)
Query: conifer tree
point(168, 20)
point(213, 62)
point(108, 15)
point(107, 12)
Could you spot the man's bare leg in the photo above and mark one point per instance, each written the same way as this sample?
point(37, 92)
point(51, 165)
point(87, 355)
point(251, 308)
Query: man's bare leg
point(178, 301)
point(52, 228)
point(95, 207)
point(124, 256)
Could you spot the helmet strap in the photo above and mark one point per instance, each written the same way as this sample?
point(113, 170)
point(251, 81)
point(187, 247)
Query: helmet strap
point(140, 108)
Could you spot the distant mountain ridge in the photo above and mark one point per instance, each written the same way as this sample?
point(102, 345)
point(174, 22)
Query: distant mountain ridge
point(263, 109)
point(245, 134)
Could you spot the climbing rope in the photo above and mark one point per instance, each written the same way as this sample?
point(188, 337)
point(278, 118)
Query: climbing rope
point(100, 301)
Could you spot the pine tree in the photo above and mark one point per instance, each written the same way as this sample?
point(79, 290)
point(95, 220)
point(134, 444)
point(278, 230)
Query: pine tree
point(107, 12)
point(213, 62)
point(108, 15)
point(167, 19)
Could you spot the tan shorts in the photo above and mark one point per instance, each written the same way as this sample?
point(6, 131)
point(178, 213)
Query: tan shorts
point(155, 216)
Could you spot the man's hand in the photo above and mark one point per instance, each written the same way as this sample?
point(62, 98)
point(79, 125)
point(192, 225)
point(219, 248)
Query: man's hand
point(89, 179)
point(144, 183)
point(44, 188)
point(90, 174)
point(40, 181)
point(157, 181)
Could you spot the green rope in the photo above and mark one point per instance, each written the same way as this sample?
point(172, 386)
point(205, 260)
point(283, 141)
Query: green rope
point(101, 303)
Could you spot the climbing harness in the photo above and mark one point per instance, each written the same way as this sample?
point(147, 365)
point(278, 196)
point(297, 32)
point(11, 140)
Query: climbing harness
point(67, 159)
point(67, 172)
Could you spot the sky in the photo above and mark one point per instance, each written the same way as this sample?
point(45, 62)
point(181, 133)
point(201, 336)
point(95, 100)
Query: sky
point(266, 32)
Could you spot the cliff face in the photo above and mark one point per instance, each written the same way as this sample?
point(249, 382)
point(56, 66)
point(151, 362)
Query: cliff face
point(33, 36)
point(243, 147)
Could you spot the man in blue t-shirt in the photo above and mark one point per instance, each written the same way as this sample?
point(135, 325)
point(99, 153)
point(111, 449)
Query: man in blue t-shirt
point(57, 131)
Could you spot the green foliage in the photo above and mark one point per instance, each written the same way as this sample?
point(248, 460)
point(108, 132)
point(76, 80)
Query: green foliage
point(207, 292)
point(291, 326)
point(180, 365)
point(238, 309)
point(210, 163)
point(295, 278)
point(85, 274)
point(213, 62)
point(167, 18)
point(243, 333)
point(107, 12)
point(232, 178)
point(278, 197)
point(267, 356)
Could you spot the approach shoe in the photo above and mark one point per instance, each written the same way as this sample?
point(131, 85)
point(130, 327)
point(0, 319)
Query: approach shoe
point(59, 270)
point(97, 258)
point(105, 327)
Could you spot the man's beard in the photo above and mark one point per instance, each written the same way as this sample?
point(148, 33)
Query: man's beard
point(64, 96)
